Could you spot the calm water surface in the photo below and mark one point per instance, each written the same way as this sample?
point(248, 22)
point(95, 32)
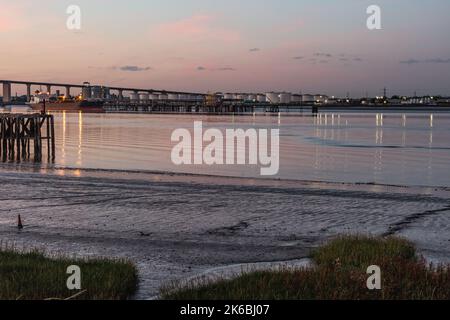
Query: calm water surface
point(394, 148)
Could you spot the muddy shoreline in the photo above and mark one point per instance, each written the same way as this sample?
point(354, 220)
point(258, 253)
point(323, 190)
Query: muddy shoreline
point(175, 227)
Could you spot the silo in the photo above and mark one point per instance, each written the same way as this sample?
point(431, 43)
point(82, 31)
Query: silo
point(273, 97)
point(261, 98)
point(285, 97)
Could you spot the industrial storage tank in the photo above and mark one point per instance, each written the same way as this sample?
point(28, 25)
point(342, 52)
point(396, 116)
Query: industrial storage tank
point(134, 97)
point(86, 92)
point(144, 97)
point(261, 98)
point(173, 96)
point(273, 97)
point(251, 97)
point(96, 92)
point(308, 98)
point(285, 97)
point(106, 93)
point(296, 98)
point(320, 98)
point(163, 96)
point(153, 96)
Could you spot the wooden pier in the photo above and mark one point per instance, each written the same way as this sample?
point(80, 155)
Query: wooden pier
point(200, 108)
point(23, 135)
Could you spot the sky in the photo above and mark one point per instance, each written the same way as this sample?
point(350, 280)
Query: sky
point(307, 46)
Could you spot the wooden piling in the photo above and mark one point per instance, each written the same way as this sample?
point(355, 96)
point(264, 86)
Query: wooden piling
point(17, 131)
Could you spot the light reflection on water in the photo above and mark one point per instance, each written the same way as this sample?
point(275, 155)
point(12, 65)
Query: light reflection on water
point(391, 148)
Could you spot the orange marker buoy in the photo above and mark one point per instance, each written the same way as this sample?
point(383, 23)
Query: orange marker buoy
point(19, 223)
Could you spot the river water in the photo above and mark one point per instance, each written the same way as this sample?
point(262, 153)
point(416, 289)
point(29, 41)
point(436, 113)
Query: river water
point(393, 148)
point(113, 191)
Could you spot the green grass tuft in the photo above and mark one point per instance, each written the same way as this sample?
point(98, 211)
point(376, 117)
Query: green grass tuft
point(339, 274)
point(33, 276)
point(362, 251)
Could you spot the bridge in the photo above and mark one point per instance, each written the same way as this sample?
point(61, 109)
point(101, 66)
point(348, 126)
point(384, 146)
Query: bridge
point(48, 85)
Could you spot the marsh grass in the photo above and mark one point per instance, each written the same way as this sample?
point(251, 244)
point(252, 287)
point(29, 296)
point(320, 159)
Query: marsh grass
point(339, 273)
point(33, 275)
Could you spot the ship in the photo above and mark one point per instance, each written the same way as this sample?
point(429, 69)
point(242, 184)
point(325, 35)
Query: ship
point(48, 103)
point(70, 106)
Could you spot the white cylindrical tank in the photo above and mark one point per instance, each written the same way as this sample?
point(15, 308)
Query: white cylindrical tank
point(173, 96)
point(307, 98)
point(163, 96)
point(261, 98)
point(144, 97)
point(285, 97)
point(134, 97)
point(153, 96)
point(296, 98)
point(251, 97)
point(320, 98)
point(273, 97)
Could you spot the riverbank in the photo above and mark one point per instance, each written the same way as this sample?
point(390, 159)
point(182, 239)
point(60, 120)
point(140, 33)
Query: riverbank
point(340, 272)
point(178, 226)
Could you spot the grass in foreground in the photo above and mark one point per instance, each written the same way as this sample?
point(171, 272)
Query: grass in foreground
point(339, 273)
point(32, 276)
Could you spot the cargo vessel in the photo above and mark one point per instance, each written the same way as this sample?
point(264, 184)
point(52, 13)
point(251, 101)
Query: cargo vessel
point(41, 101)
point(70, 106)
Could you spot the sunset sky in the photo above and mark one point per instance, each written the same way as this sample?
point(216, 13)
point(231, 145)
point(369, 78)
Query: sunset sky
point(246, 46)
